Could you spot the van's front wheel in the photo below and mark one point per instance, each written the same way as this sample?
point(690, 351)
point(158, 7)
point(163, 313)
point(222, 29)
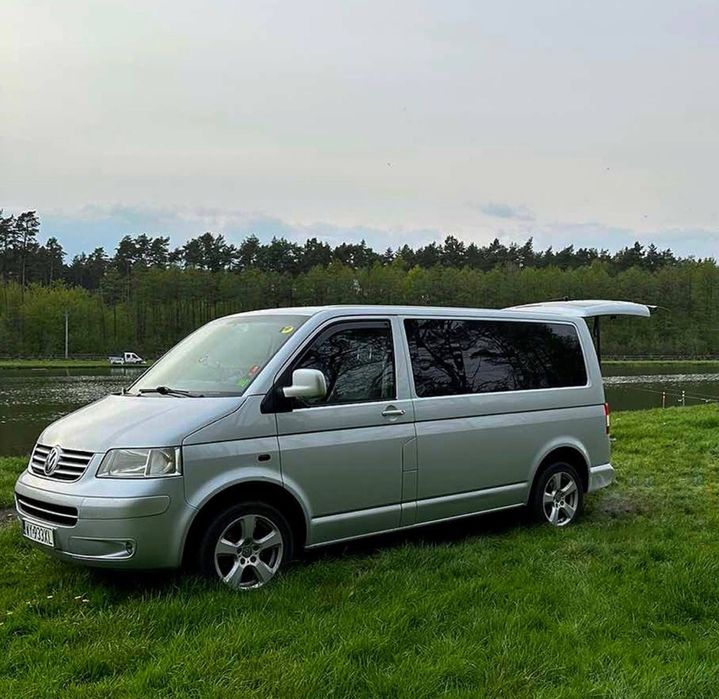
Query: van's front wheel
point(246, 546)
point(558, 496)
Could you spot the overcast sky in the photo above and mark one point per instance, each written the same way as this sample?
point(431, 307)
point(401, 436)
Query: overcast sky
point(593, 123)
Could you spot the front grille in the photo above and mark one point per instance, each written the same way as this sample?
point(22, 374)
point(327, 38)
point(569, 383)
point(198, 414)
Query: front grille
point(47, 511)
point(70, 466)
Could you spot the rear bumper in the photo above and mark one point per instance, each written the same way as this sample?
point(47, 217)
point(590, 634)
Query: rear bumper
point(142, 532)
point(600, 477)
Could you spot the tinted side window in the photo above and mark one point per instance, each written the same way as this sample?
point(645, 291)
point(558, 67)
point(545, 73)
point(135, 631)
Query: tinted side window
point(453, 357)
point(358, 363)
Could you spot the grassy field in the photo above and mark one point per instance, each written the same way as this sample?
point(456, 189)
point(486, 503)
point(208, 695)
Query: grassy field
point(624, 604)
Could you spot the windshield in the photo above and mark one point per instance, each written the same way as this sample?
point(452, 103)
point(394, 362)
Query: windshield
point(222, 357)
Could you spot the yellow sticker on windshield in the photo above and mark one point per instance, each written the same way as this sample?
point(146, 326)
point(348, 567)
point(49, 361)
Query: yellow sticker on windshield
point(287, 329)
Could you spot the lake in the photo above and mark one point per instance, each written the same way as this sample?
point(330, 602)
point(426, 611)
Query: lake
point(31, 398)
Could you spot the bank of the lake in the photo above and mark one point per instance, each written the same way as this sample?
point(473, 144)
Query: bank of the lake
point(623, 604)
point(667, 362)
point(58, 363)
point(103, 363)
point(39, 363)
point(55, 363)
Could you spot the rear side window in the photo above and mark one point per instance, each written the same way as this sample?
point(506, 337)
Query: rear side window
point(455, 357)
point(357, 360)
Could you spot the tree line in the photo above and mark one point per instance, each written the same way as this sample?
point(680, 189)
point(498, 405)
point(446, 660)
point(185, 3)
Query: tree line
point(146, 296)
point(24, 259)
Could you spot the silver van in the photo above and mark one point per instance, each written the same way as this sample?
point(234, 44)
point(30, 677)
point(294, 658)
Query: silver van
point(265, 433)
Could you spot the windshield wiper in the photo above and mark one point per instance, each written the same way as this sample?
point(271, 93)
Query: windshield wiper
point(167, 391)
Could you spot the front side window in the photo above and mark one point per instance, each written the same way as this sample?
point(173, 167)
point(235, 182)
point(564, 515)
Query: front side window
point(222, 357)
point(455, 357)
point(357, 361)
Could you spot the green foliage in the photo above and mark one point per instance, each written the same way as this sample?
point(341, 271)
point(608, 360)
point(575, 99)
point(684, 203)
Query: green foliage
point(623, 604)
point(153, 308)
point(147, 296)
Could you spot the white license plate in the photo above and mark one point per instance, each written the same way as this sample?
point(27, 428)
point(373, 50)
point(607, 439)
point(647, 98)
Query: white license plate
point(43, 535)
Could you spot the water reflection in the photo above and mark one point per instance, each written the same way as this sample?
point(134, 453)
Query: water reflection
point(30, 399)
point(640, 386)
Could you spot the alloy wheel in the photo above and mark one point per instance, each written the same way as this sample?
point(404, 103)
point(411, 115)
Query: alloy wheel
point(560, 499)
point(249, 552)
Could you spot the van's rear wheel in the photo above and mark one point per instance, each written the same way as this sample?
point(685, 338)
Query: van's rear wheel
point(246, 546)
point(558, 496)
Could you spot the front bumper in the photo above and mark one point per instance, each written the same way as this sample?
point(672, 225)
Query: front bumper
point(600, 477)
point(142, 528)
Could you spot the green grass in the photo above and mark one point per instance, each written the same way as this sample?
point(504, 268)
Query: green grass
point(667, 362)
point(624, 604)
point(10, 467)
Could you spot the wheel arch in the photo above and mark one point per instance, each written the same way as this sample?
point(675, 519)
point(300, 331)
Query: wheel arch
point(268, 492)
point(572, 454)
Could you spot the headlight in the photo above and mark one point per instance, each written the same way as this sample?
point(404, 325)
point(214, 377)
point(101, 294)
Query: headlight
point(140, 463)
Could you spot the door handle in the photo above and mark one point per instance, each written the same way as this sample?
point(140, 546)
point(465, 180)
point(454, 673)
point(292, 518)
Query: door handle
point(392, 412)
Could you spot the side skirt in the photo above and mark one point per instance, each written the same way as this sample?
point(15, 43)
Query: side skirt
point(414, 526)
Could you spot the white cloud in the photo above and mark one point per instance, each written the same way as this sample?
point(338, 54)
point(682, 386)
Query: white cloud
point(497, 210)
point(94, 226)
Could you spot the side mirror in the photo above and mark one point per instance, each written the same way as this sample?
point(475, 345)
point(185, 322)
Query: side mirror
point(306, 383)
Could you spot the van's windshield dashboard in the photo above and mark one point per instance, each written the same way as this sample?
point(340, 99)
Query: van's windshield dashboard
point(222, 358)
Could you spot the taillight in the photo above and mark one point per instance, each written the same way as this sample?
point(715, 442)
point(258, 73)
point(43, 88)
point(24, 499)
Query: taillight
point(607, 416)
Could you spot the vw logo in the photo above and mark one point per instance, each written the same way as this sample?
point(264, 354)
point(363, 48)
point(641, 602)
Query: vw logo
point(52, 461)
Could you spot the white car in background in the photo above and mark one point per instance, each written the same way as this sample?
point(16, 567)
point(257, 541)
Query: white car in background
point(126, 358)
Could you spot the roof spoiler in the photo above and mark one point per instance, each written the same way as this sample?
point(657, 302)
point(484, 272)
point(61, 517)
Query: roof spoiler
point(588, 309)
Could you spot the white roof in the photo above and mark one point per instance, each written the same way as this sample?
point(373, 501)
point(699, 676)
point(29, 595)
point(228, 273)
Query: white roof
point(556, 309)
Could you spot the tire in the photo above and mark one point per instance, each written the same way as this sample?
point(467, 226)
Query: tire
point(246, 546)
point(557, 496)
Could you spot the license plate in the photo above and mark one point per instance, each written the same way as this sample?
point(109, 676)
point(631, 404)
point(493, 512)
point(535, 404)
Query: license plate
point(35, 532)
